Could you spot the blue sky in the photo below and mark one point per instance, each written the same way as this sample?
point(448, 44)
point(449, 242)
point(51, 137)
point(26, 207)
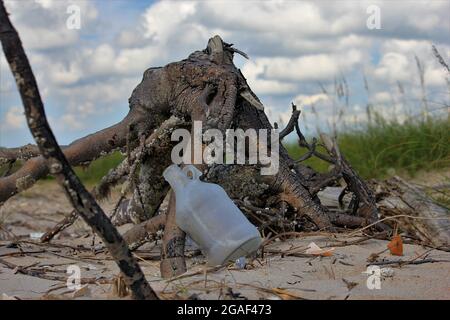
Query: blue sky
point(296, 50)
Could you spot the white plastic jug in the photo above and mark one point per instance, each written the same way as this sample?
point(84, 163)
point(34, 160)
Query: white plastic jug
point(206, 213)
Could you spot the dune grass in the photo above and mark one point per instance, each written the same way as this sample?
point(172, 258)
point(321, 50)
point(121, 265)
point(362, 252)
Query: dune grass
point(98, 168)
point(385, 148)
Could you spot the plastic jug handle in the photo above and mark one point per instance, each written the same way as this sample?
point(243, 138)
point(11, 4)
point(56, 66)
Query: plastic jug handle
point(196, 174)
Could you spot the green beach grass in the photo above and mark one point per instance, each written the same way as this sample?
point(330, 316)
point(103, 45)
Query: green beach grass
point(384, 148)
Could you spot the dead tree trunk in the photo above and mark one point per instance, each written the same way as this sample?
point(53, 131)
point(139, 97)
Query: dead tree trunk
point(207, 87)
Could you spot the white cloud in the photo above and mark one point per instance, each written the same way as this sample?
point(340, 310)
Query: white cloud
point(127, 38)
point(302, 99)
point(311, 67)
point(14, 118)
point(45, 3)
point(253, 70)
point(42, 24)
point(382, 96)
point(89, 73)
point(59, 74)
point(158, 27)
point(398, 62)
point(436, 77)
point(71, 122)
point(393, 67)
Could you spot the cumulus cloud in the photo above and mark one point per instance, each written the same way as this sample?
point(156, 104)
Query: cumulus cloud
point(42, 24)
point(14, 118)
point(398, 66)
point(302, 99)
point(90, 73)
point(310, 67)
point(393, 67)
point(382, 96)
point(71, 122)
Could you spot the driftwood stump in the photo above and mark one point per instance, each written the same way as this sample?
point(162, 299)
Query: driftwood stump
point(207, 87)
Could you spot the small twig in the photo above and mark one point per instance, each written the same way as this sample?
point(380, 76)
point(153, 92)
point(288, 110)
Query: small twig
point(292, 122)
point(393, 218)
point(404, 263)
point(43, 275)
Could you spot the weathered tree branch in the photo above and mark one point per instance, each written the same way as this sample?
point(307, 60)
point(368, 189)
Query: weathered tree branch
point(21, 153)
point(292, 122)
point(367, 202)
point(78, 152)
point(172, 251)
point(291, 183)
point(80, 198)
point(145, 231)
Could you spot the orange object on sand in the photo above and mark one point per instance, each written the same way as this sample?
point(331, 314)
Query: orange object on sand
point(396, 246)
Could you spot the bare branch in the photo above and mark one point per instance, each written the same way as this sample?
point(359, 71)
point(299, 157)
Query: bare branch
point(292, 122)
point(21, 153)
point(78, 152)
point(366, 198)
point(144, 231)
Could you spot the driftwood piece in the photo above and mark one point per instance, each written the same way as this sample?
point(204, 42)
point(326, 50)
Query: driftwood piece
point(149, 186)
point(21, 153)
point(81, 200)
point(172, 252)
point(60, 226)
point(329, 197)
point(291, 179)
point(398, 197)
point(366, 206)
point(414, 211)
point(145, 231)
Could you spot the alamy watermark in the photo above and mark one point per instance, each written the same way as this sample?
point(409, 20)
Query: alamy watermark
point(74, 19)
point(374, 277)
point(237, 147)
point(74, 279)
point(374, 19)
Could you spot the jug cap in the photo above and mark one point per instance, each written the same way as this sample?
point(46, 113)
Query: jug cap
point(178, 178)
point(195, 173)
